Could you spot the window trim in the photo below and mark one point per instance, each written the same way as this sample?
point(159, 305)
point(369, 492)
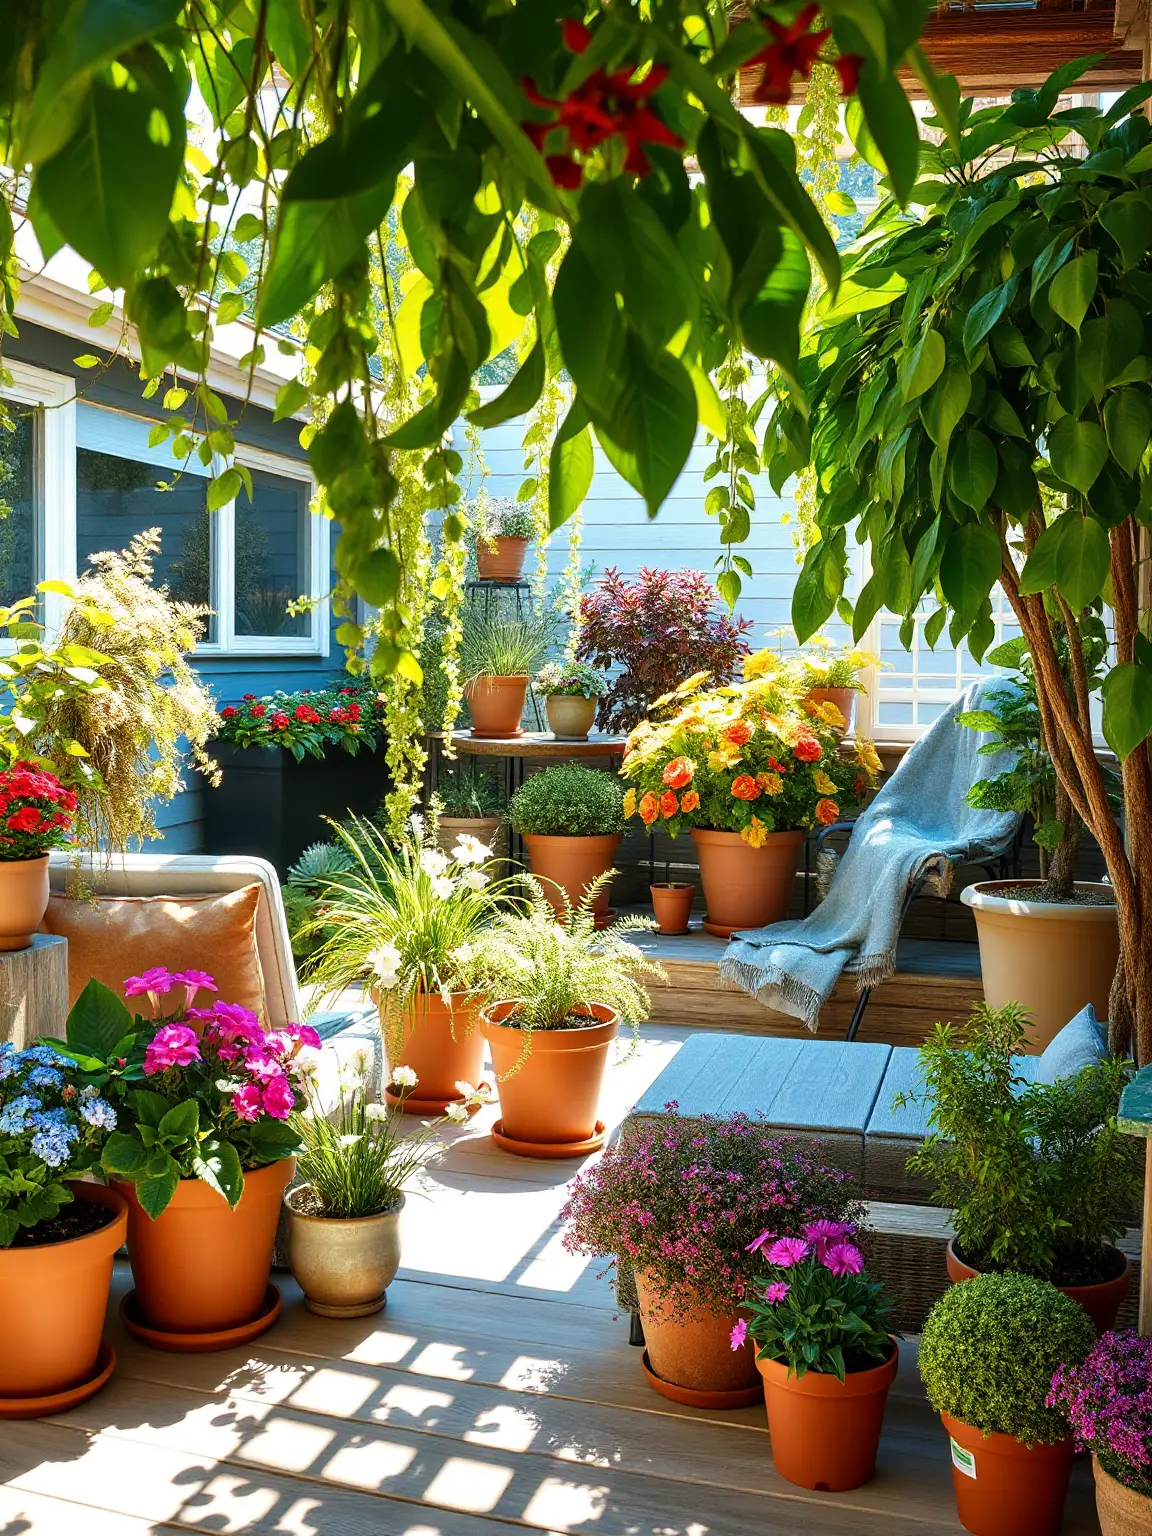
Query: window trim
point(55, 395)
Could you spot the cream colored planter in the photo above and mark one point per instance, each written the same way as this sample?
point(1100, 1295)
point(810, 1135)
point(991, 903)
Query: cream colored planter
point(343, 1266)
point(570, 716)
point(1050, 957)
point(489, 829)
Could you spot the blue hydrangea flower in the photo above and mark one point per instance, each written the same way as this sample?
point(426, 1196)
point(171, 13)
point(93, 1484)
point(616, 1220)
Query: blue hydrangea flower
point(99, 1112)
point(7, 1059)
point(42, 1056)
point(52, 1146)
point(53, 1120)
point(16, 1117)
point(45, 1077)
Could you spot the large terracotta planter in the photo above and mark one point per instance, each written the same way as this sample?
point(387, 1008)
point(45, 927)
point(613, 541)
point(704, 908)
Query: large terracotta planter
point(567, 866)
point(496, 705)
point(54, 1297)
point(570, 717)
point(1051, 957)
point(1102, 1302)
point(689, 1347)
point(23, 900)
point(550, 1097)
point(201, 1267)
point(1122, 1511)
point(1004, 1488)
point(489, 829)
point(500, 558)
point(843, 698)
point(442, 1045)
point(672, 904)
point(746, 887)
point(825, 1433)
point(344, 1266)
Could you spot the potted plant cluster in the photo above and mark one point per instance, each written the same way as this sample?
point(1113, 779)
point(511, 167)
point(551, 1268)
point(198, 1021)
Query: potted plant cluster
point(834, 677)
point(749, 771)
point(570, 691)
point(202, 1150)
point(36, 814)
point(824, 1350)
point(505, 530)
point(558, 991)
point(571, 819)
point(471, 804)
point(1038, 1176)
point(988, 1354)
point(682, 1206)
point(498, 654)
point(58, 1235)
point(1107, 1400)
point(1051, 944)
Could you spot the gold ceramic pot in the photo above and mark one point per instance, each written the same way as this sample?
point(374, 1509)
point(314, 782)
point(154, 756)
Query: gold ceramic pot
point(344, 1266)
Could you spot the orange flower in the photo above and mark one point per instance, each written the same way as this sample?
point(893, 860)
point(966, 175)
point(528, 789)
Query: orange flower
point(689, 801)
point(739, 733)
point(679, 772)
point(807, 748)
point(649, 808)
point(669, 805)
point(745, 787)
point(826, 812)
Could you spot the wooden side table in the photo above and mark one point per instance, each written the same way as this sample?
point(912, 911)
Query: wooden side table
point(34, 991)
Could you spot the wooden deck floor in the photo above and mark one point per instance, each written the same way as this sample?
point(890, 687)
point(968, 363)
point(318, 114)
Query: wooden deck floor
point(497, 1394)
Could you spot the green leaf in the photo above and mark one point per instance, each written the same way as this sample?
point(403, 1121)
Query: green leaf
point(224, 488)
point(969, 568)
point(1128, 219)
point(290, 398)
point(770, 295)
point(154, 1194)
point(1127, 424)
point(376, 577)
point(124, 1156)
point(922, 365)
point(779, 184)
point(1081, 561)
point(1073, 287)
point(1039, 573)
point(942, 409)
point(650, 434)
point(150, 1107)
point(1127, 708)
point(893, 127)
point(1077, 451)
point(1017, 491)
point(972, 468)
point(818, 587)
point(519, 397)
point(219, 1167)
point(729, 586)
point(181, 1122)
point(570, 466)
point(313, 241)
point(633, 255)
point(230, 308)
point(97, 1020)
point(987, 312)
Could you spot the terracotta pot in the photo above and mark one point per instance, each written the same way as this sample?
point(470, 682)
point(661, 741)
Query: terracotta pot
point(55, 1297)
point(567, 866)
point(1122, 1511)
point(1004, 1488)
point(1102, 1302)
point(690, 1346)
point(672, 904)
point(551, 1096)
point(825, 1433)
point(1051, 957)
point(442, 1046)
point(489, 829)
point(746, 887)
point(23, 900)
point(200, 1266)
point(344, 1266)
point(500, 558)
point(843, 698)
point(496, 705)
point(570, 717)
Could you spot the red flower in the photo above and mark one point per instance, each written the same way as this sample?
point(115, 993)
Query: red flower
point(279, 721)
point(576, 35)
point(249, 695)
point(807, 748)
point(826, 812)
point(848, 67)
point(258, 711)
point(27, 819)
point(353, 711)
point(793, 51)
point(306, 714)
point(745, 787)
point(229, 712)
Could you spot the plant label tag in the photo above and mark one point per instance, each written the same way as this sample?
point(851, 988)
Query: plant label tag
point(963, 1460)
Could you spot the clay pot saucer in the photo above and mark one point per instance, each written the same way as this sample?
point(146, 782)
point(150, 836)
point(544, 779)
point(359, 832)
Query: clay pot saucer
point(70, 1397)
point(200, 1343)
point(550, 1149)
point(743, 1397)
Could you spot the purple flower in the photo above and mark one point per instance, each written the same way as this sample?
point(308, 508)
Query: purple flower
point(758, 1242)
point(739, 1334)
point(775, 1293)
point(173, 1045)
point(843, 1259)
point(786, 1252)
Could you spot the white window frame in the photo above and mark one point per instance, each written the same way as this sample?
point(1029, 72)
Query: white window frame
point(55, 395)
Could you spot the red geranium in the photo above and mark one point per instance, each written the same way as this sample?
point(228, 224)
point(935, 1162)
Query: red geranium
point(229, 712)
point(279, 721)
point(306, 714)
point(36, 809)
point(807, 749)
point(258, 711)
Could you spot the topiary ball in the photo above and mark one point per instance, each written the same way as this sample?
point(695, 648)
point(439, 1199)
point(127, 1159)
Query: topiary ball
point(568, 801)
point(989, 1351)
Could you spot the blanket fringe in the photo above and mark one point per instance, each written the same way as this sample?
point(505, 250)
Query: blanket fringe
point(789, 994)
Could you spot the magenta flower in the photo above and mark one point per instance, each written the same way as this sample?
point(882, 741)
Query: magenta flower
point(193, 982)
point(788, 1251)
point(843, 1259)
point(246, 1102)
point(158, 979)
point(279, 1098)
point(173, 1045)
point(262, 1066)
point(775, 1293)
point(828, 1231)
point(302, 1034)
point(739, 1334)
point(758, 1242)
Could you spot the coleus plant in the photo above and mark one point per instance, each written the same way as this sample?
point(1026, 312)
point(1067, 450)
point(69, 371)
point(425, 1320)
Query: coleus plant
point(977, 400)
point(535, 158)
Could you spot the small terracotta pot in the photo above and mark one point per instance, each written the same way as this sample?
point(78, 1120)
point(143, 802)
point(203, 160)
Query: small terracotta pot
point(690, 1345)
point(672, 904)
point(55, 1297)
point(496, 705)
point(567, 866)
point(1004, 1488)
point(745, 887)
point(1122, 1511)
point(825, 1433)
point(570, 717)
point(200, 1266)
point(500, 558)
point(489, 829)
point(1102, 1302)
point(843, 698)
point(1051, 957)
point(551, 1096)
point(442, 1046)
point(23, 900)
point(344, 1266)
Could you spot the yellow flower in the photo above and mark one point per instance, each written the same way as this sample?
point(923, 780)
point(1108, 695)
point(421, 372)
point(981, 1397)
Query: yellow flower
point(770, 783)
point(867, 756)
point(828, 714)
point(724, 757)
point(824, 785)
point(755, 834)
point(760, 663)
point(629, 803)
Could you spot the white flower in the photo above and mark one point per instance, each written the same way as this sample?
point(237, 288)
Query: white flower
point(384, 963)
point(306, 1063)
point(433, 862)
point(377, 1111)
point(474, 879)
point(464, 953)
point(416, 824)
point(470, 850)
point(349, 1141)
point(362, 1059)
point(464, 1088)
point(480, 1094)
point(404, 1077)
point(456, 1113)
point(442, 886)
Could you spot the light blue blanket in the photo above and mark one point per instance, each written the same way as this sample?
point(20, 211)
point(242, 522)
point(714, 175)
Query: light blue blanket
point(918, 825)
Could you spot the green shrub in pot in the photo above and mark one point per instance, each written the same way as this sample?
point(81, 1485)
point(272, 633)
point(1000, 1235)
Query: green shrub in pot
point(568, 800)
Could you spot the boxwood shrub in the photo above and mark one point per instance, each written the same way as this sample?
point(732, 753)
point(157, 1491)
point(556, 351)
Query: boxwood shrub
point(568, 800)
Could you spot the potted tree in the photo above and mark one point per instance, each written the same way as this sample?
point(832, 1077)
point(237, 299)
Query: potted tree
point(498, 654)
point(1051, 944)
point(987, 1356)
point(1107, 1399)
point(571, 819)
point(504, 531)
point(1037, 1175)
point(472, 804)
point(819, 1327)
point(35, 816)
point(58, 1236)
point(570, 691)
point(660, 1206)
point(560, 989)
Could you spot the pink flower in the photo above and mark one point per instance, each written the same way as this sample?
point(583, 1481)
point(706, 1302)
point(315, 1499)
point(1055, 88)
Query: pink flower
point(172, 1046)
point(302, 1034)
point(262, 1066)
point(828, 1231)
point(246, 1102)
point(193, 982)
point(787, 1251)
point(775, 1293)
point(758, 1242)
point(279, 1098)
point(156, 982)
point(843, 1259)
point(739, 1334)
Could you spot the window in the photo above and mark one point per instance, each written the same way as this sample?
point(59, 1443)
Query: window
point(37, 484)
